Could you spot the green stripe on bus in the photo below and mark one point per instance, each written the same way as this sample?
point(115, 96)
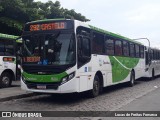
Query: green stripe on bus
point(44, 78)
point(121, 71)
point(8, 36)
point(19, 41)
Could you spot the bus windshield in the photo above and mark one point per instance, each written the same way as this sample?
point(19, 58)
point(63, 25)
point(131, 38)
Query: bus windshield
point(49, 49)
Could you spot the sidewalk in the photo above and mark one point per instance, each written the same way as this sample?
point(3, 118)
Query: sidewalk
point(13, 92)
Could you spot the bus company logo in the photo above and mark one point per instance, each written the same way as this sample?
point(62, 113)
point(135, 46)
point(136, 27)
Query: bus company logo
point(6, 114)
point(106, 62)
point(54, 78)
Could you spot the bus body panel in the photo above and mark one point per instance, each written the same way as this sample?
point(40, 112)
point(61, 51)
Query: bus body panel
point(7, 65)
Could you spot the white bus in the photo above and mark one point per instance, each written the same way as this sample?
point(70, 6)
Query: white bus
point(152, 62)
point(8, 46)
point(66, 56)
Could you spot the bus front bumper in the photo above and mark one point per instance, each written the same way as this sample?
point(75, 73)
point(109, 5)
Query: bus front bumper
point(68, 87)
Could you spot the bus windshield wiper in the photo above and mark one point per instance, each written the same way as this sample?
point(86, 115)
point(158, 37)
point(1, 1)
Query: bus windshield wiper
point(56, 35)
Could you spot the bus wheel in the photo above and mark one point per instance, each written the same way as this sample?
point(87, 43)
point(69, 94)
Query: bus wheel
point(132, 79)
point(5, 80)
point(96, 87)
point(153, 75)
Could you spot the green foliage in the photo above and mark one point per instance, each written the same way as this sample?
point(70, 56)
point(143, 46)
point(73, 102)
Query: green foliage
point(15, 13)
point(1, 8)
point(11, 23)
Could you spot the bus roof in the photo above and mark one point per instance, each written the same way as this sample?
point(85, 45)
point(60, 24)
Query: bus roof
point(46, 20)
point(6, 36)
point(112, 34)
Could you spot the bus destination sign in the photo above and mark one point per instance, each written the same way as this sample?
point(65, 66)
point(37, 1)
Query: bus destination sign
point(48, 26)
point(8, 59)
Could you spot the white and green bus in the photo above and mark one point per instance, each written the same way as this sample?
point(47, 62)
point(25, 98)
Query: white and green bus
point(8, 47)
point(66, 56)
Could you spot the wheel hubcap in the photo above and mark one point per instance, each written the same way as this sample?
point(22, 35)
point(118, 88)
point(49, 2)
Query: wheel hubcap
point(5, 80)
point(132, 79)
point(96, 87)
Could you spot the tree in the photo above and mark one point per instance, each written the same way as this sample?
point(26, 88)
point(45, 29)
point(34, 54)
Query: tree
point(15, 13)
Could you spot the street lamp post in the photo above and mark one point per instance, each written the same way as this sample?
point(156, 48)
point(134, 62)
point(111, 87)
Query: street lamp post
point(143, 39)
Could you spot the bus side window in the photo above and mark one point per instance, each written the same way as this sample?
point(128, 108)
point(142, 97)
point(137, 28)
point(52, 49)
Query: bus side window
point(137, 51)
point(132, 50)
point(97, 43)
point(2, 48)
point(154, 55)
point(9, 48)
point(118, 47)
point(83, 45)
point(109, 46)
point(125, 48)
point(142, 52)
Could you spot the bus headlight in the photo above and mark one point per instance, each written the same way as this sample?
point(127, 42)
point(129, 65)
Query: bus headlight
point(67, 78)
point(23, 78)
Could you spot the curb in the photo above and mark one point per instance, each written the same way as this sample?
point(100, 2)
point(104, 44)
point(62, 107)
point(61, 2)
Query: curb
point(17, 97)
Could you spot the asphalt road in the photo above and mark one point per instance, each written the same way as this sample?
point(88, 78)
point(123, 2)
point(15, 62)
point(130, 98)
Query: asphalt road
point(118, 97)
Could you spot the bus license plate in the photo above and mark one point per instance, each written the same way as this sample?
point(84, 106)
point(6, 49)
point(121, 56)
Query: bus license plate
point(41, 86)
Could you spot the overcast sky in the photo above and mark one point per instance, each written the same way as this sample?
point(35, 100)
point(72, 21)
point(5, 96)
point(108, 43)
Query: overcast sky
point(130, 18)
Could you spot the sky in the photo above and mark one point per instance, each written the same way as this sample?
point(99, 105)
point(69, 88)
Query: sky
point(129, 18)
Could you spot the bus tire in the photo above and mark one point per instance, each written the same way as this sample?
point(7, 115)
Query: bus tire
point(5, 80)
point(132, 79)
point(96, 87)
point(153, 75)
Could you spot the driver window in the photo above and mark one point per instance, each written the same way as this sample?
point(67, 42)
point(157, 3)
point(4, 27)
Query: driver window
point(84, 45)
